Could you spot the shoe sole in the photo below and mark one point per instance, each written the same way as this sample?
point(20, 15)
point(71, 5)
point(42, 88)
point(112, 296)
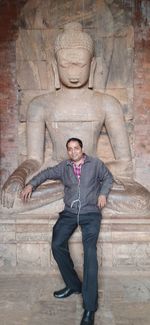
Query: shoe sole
point(73, 293)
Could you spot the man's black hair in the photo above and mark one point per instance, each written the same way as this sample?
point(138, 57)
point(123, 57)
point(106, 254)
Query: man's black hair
point(74, 139)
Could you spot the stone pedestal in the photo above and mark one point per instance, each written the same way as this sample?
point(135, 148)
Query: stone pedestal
point(124, 244)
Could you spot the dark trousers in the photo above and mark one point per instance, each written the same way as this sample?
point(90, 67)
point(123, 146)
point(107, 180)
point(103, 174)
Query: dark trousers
point(63, 229)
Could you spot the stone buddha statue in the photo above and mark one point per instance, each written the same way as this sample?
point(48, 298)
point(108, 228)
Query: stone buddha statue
point(74, 109)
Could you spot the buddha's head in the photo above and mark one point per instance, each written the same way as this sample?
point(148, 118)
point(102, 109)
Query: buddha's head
point(74, 55)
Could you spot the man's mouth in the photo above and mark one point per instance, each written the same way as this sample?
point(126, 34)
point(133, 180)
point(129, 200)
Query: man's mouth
point(74, 157)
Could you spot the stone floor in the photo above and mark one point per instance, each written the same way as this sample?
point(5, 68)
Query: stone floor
point(28, 300)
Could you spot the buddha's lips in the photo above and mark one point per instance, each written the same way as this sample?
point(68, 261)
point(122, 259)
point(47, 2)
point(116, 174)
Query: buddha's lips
point(74, 80)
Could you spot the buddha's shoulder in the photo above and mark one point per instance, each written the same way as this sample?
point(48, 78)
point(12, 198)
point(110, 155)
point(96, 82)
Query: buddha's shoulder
point(40, 105)
point(46, 98)
point(105, 97)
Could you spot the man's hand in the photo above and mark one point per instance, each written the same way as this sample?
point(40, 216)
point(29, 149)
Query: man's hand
point(101, 201)
point(26, 193)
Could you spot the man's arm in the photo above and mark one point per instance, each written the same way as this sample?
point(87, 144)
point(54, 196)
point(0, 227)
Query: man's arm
point(106, 179)
point(54, 173)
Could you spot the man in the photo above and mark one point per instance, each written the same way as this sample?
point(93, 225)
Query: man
point(87, 182)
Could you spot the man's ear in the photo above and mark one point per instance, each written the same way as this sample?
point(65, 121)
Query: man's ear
point(56, 75)
point(92, 71)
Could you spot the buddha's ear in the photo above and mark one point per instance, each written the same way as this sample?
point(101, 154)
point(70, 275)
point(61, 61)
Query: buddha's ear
point(56, 75)
point(92, 71)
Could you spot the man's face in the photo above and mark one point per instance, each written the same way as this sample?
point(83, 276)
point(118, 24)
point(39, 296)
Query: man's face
point(75, 152)
point(74, 66)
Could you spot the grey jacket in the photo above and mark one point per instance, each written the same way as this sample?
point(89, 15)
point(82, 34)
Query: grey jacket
point(80, 196)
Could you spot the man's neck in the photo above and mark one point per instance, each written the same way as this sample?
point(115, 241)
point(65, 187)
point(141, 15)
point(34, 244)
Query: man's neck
point(79, 161)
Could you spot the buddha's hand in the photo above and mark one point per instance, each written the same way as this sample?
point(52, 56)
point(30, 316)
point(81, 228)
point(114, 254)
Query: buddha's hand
point(26, 193)
point(11, 190)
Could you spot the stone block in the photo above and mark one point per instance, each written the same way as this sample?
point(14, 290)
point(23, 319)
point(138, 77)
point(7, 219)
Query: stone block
point(7, 227)
point(32, 227)
point(136, 255)
point(106, 252)
point(28, 253)
point(6, 237)
point(45, 255)
point(32, 237)
point(128, 237)
point(26, 243)
point(31, 232)
point(7, 255)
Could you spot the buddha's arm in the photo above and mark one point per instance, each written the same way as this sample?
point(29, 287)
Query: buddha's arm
point(115, 125)
point(35, 151)
point(16, 181)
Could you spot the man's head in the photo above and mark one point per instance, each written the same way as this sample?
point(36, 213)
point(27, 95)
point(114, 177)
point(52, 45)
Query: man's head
point(74, 53)
point(75, 149)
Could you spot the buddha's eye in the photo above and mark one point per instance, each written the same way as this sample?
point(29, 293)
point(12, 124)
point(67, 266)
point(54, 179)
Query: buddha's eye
point(64, 65)
point(82, 65)
point(70, 64)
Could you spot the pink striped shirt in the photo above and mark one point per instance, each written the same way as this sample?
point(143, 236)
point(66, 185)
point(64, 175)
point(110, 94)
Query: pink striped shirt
point(77, 168)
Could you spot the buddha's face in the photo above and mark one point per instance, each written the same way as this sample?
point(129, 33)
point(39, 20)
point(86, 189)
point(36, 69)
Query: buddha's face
point(74, 66)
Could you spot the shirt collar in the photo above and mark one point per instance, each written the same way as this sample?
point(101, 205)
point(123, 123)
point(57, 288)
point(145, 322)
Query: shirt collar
point(81, 163)
point(86, 159)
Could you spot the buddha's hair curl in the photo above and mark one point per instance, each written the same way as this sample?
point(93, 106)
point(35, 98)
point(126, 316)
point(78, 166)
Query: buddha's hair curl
point(73, 36)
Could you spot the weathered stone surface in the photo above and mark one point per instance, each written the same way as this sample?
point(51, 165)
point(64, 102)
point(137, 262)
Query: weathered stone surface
point(39, 25)
point(25, 242)
point(142, 98)
point(6, 237)
point(93, 111)
point(107, 255)
point(31, 255)
point(135, 254)
point(118, 20)
point(123, 300)
point(7, 255)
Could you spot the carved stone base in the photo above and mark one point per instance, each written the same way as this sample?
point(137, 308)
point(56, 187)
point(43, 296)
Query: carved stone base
point(124, 244)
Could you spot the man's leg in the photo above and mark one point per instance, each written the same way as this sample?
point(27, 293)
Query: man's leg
point(63, 229)
point(90, 225)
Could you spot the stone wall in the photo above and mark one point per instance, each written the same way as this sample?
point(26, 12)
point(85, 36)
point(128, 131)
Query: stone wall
point(9, 13)
point(25, 245)
point(118, 28)
point(142, 93)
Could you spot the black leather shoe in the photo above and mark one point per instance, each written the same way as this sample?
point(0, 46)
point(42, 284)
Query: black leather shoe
point(66, 292)
point(88, 318)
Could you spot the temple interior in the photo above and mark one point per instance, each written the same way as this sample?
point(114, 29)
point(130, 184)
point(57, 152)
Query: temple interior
point(110, 112)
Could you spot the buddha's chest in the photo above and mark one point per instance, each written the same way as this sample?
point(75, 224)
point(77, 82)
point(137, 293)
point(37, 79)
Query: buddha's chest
point(73, 109)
